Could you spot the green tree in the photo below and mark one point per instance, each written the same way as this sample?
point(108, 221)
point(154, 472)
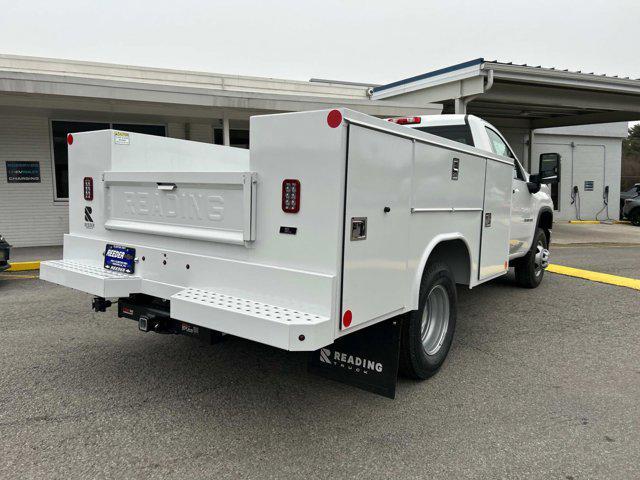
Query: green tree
point(631, 144)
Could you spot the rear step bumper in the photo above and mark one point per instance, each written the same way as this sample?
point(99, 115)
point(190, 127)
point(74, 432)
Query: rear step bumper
point(281, 327)
point(89, 278)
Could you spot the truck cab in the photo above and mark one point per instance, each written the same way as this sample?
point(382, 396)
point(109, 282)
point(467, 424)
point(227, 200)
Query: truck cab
point(531, 204)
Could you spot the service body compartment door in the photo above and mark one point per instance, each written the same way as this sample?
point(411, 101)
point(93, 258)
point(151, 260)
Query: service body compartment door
point(376, 224)
point(496, 220)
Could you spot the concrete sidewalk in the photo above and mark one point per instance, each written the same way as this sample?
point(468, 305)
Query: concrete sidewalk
point(34, 254)
point(572, 233)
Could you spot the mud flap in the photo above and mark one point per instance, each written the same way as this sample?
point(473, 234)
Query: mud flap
point(367, 359)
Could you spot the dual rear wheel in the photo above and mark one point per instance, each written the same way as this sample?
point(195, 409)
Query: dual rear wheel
point(427, 332)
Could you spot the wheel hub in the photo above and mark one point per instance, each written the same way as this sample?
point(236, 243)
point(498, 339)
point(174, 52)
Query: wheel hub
point(541, 259)
point(435, 320)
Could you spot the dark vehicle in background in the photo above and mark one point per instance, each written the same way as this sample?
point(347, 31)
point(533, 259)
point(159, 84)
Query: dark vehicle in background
point(631, 210)
point(631, 193)
point(5, 249)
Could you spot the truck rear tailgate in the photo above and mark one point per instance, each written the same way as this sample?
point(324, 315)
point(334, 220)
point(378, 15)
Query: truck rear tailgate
point(209, 206)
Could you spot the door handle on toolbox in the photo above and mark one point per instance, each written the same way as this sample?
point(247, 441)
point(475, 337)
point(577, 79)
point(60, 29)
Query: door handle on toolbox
point(166, 186)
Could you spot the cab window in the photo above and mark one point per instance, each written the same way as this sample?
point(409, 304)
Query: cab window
point(457, 133)
point(498, 145)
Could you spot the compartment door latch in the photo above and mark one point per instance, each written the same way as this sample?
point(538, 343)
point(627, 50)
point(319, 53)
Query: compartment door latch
point(358, 228)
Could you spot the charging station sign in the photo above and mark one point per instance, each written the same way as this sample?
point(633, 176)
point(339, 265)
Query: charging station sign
point(23, 172)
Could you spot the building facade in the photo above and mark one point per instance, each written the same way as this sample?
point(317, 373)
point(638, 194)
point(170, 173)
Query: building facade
point(41, 100)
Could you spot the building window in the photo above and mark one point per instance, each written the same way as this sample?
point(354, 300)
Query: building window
point(157, 130)
point(218, 136)
point(239, 138)
point(59, 131)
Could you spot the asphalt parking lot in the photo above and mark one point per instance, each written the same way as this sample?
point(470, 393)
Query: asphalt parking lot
point(540, 383)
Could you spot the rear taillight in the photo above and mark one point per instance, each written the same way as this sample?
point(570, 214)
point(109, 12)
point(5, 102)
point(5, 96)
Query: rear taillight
point(88, 188)
point(406, 120)
point(291, 195)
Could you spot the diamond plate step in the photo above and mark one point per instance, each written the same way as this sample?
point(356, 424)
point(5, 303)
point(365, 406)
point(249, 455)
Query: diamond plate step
point(278, 326)
point(89, 278)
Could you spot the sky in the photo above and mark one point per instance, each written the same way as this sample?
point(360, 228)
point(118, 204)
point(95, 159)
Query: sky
point(370, 41)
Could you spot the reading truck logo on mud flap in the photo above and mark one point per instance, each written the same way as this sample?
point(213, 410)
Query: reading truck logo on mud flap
point(351, 362)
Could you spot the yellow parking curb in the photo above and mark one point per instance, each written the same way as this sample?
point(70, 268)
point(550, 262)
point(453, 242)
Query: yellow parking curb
point(596, 222)
point(17, 277)
point(23, 266)
point(595, 276)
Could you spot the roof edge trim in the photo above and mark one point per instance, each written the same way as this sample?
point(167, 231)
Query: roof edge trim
point(434, 73)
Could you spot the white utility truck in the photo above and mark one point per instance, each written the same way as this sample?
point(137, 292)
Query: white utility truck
point(338, 233)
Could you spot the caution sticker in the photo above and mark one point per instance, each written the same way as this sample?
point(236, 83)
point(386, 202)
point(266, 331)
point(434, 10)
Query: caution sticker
point(121, 138)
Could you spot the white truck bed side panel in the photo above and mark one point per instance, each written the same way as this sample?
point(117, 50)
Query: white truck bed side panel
point(433, 185)
point(299, 146)
point(379, 176)
point(443, 207)
point(496, 221)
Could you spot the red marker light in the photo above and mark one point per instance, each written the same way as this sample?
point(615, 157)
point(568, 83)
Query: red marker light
point(334, 119)
point(346, 318)
point(406, 120)
point(69, 138)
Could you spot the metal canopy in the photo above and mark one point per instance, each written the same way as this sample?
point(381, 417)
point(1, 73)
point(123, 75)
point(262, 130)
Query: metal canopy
point(533, 97)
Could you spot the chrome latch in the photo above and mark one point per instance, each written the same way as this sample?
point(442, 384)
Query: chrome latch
point(455, 169)
point(358, 228)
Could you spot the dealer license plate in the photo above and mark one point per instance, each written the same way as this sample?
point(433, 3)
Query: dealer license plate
point(119, 258)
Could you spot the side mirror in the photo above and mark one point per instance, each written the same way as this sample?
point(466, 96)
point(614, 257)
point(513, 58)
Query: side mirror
point(533, 186)
point(549, 169)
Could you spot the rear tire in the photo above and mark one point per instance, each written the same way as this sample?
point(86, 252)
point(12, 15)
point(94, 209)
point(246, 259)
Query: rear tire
point(427, 333)
point(634, 217)
point(530, 268)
